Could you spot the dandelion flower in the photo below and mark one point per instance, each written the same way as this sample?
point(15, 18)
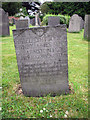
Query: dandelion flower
point(41, 111)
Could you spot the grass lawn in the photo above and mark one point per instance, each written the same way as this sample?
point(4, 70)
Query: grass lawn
point(74, 105)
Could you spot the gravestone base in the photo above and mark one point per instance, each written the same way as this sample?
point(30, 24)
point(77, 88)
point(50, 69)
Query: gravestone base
point(40, 86)
point(42, 60)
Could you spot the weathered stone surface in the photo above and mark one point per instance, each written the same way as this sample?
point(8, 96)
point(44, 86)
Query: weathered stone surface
point(4, 23)
point(22, 23)
point(87, 27)
point(53, 20)
point(74, 24)
point(42, 59)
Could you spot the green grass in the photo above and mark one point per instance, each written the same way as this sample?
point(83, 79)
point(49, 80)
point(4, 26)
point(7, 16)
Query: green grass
point(75, 104)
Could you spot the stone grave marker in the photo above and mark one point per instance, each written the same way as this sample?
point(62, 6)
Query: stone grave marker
point(82, 23)
point(4, 23)
point(53, 20)
point(87, 27)
point(32, 21)
point(74, 23)
point(22, 23)
point(28, 20)
point(42, 60)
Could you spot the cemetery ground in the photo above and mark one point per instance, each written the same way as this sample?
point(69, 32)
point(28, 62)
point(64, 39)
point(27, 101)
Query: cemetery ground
point(73, 105)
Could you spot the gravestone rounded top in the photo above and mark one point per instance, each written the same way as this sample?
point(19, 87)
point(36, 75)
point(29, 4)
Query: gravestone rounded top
point(2, 11)
point(27, 17)
point(74, 23)
point(21, 18)
point(75, 16)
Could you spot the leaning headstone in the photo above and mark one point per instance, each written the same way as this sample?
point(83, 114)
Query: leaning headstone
point(74, 23)
point(87, 27)
point(53, 20)
point(4, 23)
point(22, 23)
point(42, 60)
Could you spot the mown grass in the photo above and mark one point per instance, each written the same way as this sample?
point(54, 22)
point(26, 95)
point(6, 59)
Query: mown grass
point(74, 105)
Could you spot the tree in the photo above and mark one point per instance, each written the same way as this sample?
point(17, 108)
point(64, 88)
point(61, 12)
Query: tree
point(45, 8)
point(70, 8)
point(31, 7)
point(11, 7)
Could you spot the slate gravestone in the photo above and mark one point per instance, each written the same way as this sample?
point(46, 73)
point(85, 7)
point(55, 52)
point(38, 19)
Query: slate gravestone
point(22, 23)
point(4, 23)
point(42, 60)
point(74, 24)
point(53, 20)
point(87, 27)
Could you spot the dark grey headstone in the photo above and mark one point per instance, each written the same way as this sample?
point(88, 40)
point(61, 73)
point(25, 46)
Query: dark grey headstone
point(82, 23)
point(42, 60)
point(22, 23)
point(74, 23)
point(4, 23)
point(53, 20)
point(87, 27)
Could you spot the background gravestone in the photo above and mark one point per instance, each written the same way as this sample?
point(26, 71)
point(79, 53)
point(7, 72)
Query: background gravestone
point(42, 59)
point(32, 21)
point(53, 20)
point(74, 23)
point(4, 23)
point(82, 23)
point(87, 27)
point(28, 20)
point(22, 23)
